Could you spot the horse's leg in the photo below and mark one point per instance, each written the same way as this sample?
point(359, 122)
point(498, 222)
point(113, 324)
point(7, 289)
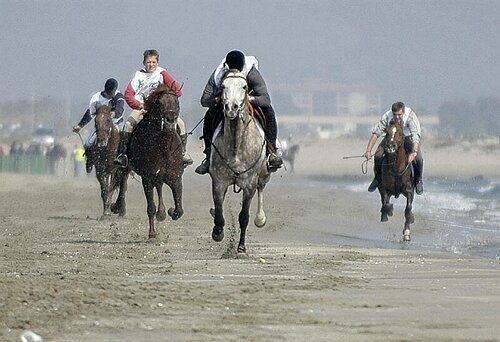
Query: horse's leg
point(104, 181)
point(176, 212)
point(260, 216)
point(386, 209)
point(161, 215)
point(218, 194)
point(409, 217)
point(151, 208)
point(119, 207)
point(244, 217)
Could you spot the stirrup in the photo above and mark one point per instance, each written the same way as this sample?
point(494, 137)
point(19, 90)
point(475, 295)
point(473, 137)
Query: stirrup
point(121, 160)
point(187, 161)
point(274, 162)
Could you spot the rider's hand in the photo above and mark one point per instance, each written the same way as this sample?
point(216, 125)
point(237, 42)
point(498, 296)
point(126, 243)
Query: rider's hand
point(367, 155)
point(412, 156)
point(76, 128)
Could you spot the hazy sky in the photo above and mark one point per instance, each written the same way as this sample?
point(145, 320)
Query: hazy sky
point(422, 52)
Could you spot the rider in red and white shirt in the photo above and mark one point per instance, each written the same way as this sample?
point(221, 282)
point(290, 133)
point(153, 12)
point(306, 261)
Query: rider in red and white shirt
point(142, 84)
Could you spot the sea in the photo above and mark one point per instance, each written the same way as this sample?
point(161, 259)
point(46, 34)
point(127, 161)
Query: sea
point(467, 212)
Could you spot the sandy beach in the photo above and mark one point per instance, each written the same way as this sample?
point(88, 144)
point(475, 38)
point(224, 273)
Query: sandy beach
point(68, 276)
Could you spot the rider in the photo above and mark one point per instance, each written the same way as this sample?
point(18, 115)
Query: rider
point(259, 97)
point(142, 84)
point(110, 96)
point(411, 128)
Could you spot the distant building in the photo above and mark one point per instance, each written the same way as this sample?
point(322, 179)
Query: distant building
point(329, 108)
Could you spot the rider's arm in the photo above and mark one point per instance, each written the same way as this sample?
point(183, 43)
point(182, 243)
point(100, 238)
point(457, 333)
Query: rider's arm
point(170, 82)
point(210, 98)
point(119, 104)
point(85, 120)
point(257, 85)
point(130, 98)
point(369, 146)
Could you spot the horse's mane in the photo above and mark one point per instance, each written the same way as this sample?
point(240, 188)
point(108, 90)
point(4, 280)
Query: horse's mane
point(155, 95)
point(103, 109)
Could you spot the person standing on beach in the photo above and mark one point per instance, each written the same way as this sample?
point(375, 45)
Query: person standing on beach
point(412, 131)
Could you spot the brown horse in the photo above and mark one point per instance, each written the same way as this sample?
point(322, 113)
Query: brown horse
point(103, 153)
point(155, 154)
point(396, 176)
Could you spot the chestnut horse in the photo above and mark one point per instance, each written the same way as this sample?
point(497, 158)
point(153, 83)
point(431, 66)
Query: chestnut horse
point(396, 176)
point(238, 158)
point(155, 154)
point(103, 153)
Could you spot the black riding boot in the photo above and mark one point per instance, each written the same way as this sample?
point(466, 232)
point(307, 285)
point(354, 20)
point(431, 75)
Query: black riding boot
point(376, 179)
point(417, 173)
point(274, 162)
point(204, 167)
point(121, 160)
point(186, 160)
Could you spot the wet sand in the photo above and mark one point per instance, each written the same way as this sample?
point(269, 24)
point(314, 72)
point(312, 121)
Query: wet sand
point(68, 276)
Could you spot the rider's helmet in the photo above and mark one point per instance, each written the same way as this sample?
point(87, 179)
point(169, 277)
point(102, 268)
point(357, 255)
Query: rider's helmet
point(111, 85)
point(235, 60)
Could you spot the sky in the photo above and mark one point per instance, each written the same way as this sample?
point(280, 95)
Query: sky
point(421, 52)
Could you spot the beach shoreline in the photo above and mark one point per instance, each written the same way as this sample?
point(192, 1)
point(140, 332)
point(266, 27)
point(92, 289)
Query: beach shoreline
point(68, 276)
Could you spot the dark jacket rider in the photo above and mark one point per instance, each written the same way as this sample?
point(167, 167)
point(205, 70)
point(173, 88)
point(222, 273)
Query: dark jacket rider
point(259, 97)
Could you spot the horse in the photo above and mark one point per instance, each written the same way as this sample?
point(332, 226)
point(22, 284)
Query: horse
point(396, 176)
point(103, 153)
point(289, 155)
point(238, 158)
point(155, 154)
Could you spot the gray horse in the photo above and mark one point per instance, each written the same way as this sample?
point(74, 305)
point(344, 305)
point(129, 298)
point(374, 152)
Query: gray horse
point(239, 158)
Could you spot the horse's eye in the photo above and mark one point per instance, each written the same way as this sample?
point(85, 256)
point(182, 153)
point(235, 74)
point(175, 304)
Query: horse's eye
point(245, 87)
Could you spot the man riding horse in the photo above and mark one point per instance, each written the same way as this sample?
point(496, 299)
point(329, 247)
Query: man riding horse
point(111, 97)
point(145, 81)
point(412, 131)
point(259, 97)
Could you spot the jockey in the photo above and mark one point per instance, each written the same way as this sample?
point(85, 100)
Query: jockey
point(111, 97)
point(142, 84)
point(259, 97)
point(412, 131)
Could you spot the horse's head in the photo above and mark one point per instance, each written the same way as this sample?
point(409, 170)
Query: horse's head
point(234, 93)
point(103, 125)
point(394, 138)
point(163, 104)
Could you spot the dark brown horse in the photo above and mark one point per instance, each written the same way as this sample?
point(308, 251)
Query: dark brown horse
point(155, 154)
point(103, 153)
point(396, 176)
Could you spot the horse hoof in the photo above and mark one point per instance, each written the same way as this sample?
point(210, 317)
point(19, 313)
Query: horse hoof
point(175, 214)
point(122, 213)
point(212, 212)
point(105, 216)
point(260, 222)
point(384, 218)
point(242, 249)
point(218, 234)
point(161, 215)
point(406, 235)
point(152, 237)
